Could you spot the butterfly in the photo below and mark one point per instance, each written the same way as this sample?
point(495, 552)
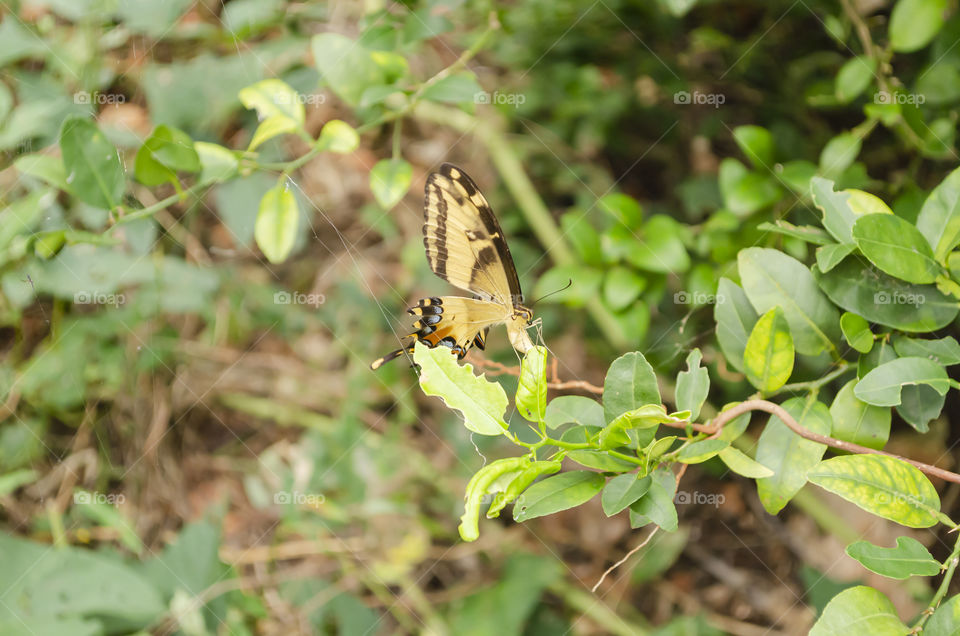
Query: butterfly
point(465, 247)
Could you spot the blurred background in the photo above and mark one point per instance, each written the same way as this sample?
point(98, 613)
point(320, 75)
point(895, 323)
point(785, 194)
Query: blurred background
point(191, 439)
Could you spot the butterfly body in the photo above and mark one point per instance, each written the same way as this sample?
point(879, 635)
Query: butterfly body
point(465, 246)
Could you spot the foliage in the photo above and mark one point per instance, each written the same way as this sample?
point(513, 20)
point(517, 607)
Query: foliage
point(790, 239)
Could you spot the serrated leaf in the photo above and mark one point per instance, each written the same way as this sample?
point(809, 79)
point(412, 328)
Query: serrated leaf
point(481, 402)
point(908, 558)
point(885, 486)
point(532, 388)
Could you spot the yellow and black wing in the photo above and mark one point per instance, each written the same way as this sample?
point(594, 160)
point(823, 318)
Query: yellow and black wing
point(463, 240)
point(449, 321)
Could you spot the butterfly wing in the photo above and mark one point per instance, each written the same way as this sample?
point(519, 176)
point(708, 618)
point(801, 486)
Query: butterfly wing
point(463, 240)
point(449, 321)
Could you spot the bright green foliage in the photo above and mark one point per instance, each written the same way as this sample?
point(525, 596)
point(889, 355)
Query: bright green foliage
point(885, 486)
point(276, 228)
point(908, 558)
point(389, 181)
point(532, 388)
point(859, 610)
point(93, 167)
point(481, 402)
point(768, 356)
point(857, 332)
point(883, 385)
point(693, 385)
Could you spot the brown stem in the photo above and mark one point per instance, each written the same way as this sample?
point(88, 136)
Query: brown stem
point(775, 409)
point(495, 368)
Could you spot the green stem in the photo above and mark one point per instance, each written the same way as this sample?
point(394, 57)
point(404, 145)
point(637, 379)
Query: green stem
point(160, 205)
point(813, 385)
point(942, 590)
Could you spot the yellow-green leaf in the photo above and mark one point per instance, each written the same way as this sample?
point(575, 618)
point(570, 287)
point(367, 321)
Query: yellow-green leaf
point(768, 356)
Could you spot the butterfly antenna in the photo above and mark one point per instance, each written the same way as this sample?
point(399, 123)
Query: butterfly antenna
point(564, 288)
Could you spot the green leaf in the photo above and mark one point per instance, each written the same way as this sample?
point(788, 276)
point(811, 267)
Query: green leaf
point(277, 219)
point(621, 287)
point(10, 482)
point(896, 247)
point(699, 452)
point(854, 77)
point(946, 620)
point(913, 23)
point(744, 465)
point(806, 233)
point(745, 192)
point(560, 492)
point(757, 144)
point(660, 249)
point(623, 208)
point(919, 404)
point(108, 516)
point(768, 356)
point(520, 482)
point(389, 181)
point(735, 318)
point(657, 505)
point(649, 416)
point(600, 460)
point(881, 387)
point(839, 153)
point(909, 558)
point(217, 164)
point(532, 389)
point(346, 66)
point(574, 409)
point(856, 286)
point(772, 278)
point(483, 482)
point(94, 171)
point(165, 152)
point(693, 385)
point(630, 383)
point(338, 136)
point(622, 491)
point(939, 218)
point(829, 256)
point(278, 106)
point(859, 610)
point(481, 402)
point(857, 332)
point(856, 421)
point(838, 216)
point(945, 351)
point(453, 89)
point(47, 168)
point(885, 486)
point(787, 454)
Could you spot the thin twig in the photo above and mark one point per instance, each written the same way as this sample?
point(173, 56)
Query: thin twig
point(775, 409)
point(496, 368)
point(624, 559)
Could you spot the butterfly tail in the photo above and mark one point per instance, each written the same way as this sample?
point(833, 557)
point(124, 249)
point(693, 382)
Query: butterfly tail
point(379, 362)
